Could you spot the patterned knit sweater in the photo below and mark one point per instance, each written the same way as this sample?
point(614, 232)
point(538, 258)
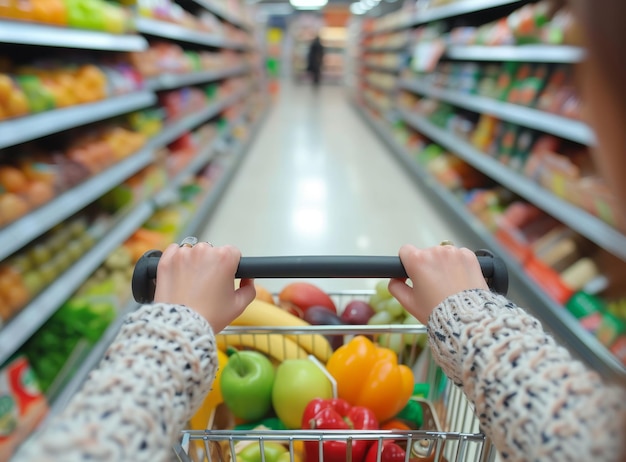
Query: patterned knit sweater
point(533, 400)
point(133, 406)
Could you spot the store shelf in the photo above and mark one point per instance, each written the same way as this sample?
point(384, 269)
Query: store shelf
point(39, 310)
point(379, 68)
point(570, 129)
point(192, 228)
point(445, 12)
point(521, 53)
point(576, 218)
point(170, 193)
point(225, 15)
point(16, 131)
point(387, 49)
point(24, 33)
point(169, 81)
point(19, 233)
point(551, 314)
point(175, 129)
point(378, 87)
point(175, 32)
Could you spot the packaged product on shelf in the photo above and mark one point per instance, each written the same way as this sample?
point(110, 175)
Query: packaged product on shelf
point(527, 22)
point(526, 138)
point(22, 404)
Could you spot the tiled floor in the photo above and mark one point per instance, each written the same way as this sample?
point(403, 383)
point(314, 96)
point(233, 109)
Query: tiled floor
point(317, 182)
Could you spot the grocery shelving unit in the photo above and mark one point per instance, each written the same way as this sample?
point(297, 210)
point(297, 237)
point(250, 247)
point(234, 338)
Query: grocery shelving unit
point(31, 127)
point(593, 228)
point(51, 36)
point(203, 212)
point(563, 127)
point(19, 233)
point(557, 319)
point(171, 31)
point(32, 316)
point(560, 54)
point(14, 132)
point(170, 81)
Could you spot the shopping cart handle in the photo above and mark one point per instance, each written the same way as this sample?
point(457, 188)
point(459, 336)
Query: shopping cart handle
point(144, 277)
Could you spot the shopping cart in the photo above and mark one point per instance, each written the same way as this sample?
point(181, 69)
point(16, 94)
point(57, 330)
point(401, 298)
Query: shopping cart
point(449, 431)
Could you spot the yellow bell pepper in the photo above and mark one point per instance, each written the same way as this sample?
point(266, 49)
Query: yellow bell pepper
point(213, 398)
point(369, 375)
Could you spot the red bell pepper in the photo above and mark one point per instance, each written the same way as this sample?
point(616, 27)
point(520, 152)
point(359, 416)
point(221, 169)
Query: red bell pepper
point(337, 414)
point(391, 452)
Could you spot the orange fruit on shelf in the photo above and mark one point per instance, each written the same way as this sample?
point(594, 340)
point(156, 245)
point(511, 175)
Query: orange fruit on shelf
point(38, 193)
point(12, 207)
point(12, 179)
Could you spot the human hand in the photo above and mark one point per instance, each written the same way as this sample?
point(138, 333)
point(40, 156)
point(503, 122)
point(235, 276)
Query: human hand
point(436, 274)
point(202, 278)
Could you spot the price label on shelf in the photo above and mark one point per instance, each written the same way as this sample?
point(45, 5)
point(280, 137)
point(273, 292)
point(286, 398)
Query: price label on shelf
point(426, 55)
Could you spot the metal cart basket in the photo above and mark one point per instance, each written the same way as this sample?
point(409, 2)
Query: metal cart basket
point(450, 430)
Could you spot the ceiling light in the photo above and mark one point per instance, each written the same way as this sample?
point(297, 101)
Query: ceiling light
point(368, 4)
point(308, 4)
point(357, 8)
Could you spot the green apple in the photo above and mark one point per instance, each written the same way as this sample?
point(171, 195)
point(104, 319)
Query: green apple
point(297, 382)
point(271, 451)
point(246, 383)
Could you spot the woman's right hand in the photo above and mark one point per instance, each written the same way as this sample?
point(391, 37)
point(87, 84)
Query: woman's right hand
point(436, 274)
point(202, 278)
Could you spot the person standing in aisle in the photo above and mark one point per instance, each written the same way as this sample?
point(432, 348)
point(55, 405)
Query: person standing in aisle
point(315, 61)
point(533, 399)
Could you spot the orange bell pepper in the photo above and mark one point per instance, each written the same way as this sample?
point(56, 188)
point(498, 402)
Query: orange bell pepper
point(369, 375)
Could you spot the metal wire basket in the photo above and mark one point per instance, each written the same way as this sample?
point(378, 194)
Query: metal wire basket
point(450, 430)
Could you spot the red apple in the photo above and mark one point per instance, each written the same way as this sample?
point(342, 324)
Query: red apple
point(357, 312)
point(297, 297)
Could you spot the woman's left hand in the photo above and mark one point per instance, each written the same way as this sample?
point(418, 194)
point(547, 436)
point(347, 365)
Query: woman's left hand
point(202, 278)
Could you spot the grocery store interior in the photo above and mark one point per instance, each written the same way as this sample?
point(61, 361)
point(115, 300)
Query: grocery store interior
point(125, 126)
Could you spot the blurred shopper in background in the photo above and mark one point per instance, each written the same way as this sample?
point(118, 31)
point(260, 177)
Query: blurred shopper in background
point(315, 60)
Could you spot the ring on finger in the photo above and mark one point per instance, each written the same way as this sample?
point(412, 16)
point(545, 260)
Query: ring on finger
point(189, 241)
point(447, 242)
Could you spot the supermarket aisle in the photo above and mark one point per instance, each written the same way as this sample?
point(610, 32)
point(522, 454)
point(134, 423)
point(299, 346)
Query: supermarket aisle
point(316, 182)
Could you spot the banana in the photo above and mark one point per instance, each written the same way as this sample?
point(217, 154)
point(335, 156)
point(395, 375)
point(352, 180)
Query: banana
point(259, 313)
point(277, 346)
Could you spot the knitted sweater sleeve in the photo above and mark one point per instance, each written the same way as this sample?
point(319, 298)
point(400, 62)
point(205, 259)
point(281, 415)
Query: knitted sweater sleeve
point(532, 398)
point(133, 406)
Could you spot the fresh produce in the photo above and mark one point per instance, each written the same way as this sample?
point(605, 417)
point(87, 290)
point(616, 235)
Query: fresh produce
point(272, 452)
point(298, 297)
point(369, 375)
point(337, 414)
point(297, 382)
point(357, 312)
point(246, 383)
point(391, 452)
point(263, 294)
point(259, 313)
point(278, 346)
point(213, 399)
point(322, 316)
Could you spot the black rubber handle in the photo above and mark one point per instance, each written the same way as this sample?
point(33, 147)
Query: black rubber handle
point(144, 276)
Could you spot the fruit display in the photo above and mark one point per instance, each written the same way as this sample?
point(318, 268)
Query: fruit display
point(170, 58)
point(35, 175)
point(565, 169)
point(99, 15)
point(28, 272)
point(49, 84)
point(204, 21)
point(530, 24)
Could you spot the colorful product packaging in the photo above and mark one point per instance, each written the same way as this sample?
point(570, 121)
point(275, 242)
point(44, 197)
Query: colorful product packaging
point(22, 404)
